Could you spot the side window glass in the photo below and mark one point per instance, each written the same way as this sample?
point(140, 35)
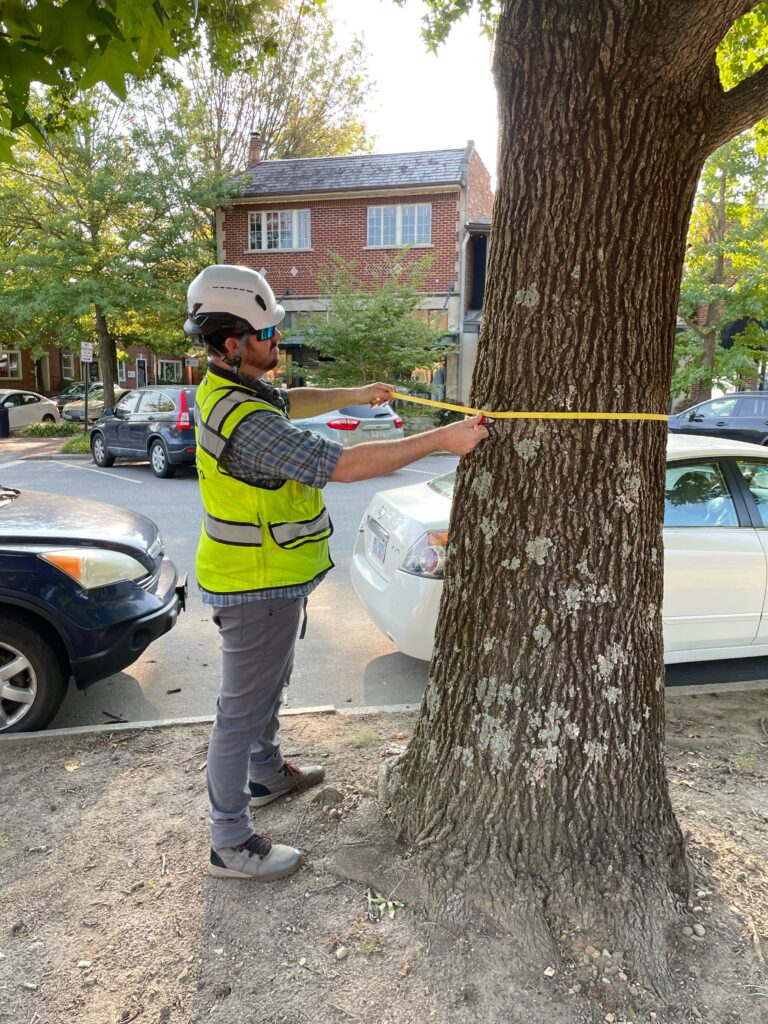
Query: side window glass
point(165, 403)
point(151, 402)
point(128, 403)
point(756, 475)
point(697, 495)
point(31, 399)
point(719, 409)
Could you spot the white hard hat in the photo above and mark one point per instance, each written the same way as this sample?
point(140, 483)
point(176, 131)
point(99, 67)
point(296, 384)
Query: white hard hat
point(230, 298)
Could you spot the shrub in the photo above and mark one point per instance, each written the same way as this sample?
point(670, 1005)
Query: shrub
point(79, 445)
point(50, 430)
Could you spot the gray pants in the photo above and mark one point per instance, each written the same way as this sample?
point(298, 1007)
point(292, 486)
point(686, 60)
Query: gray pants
point(257, 643)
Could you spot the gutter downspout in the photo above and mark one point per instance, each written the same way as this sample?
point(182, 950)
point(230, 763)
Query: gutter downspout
point(463, 242)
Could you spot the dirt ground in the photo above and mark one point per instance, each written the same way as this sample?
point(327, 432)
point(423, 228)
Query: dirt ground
point(107, 915)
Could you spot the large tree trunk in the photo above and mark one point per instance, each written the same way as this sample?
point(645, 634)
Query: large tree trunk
point(536, 770)
point(107, 357)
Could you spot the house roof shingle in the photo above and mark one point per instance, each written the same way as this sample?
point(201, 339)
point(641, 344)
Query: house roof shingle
point(369, 172)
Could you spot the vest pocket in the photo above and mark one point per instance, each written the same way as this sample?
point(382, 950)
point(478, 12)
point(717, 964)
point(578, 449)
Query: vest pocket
point(307, 531)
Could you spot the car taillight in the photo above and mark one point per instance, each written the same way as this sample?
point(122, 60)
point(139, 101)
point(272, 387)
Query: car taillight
point(182, 420)
point(398, 422)
point(427, 556)
point(344, 423)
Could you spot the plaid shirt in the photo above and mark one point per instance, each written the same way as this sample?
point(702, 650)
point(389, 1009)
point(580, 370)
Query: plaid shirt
point(264, 449)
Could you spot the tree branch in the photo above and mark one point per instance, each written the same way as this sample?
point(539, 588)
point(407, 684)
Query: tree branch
point(739, 109)
point(702, 24)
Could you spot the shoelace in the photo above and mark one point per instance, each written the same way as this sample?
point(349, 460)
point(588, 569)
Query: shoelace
point(258, 846)
point(292, 772)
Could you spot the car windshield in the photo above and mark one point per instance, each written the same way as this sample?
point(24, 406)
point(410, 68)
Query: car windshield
point(444, 484)
point(366, 412)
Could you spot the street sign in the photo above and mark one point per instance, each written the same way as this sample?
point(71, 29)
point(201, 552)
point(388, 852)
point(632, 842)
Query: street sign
point(86, 352)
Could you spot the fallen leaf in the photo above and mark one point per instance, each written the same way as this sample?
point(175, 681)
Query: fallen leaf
point(71, 766)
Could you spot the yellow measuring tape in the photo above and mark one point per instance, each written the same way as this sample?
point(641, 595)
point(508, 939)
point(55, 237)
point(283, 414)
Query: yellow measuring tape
point(533, 415)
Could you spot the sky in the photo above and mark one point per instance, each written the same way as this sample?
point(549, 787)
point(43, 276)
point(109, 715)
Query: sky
point(422, 101)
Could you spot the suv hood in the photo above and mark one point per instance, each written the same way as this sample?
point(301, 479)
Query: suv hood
point(34, 518)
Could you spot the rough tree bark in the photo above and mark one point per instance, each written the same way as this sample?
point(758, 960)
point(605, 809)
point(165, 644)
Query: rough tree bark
point(534, 786)
point(107, 356)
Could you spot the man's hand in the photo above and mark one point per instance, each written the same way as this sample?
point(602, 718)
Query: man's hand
point(375, 394)
point(461, 437)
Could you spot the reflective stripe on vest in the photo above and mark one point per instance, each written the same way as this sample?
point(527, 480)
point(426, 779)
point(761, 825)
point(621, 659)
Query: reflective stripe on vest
point(226, 532)
point(209, 435)
point(292, 535)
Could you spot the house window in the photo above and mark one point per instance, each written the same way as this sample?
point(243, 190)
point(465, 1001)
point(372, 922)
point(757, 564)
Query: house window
point(121, 371)
point(10, 364)
point(169, 371)
point(400, 225)
point(279, 229)
point(67, 365)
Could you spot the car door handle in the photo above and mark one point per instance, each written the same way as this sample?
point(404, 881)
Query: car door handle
point(721, 423)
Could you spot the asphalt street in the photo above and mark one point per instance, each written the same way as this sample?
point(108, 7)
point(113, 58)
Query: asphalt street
point(344, 660)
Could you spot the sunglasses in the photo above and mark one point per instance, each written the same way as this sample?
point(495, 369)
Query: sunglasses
point(265, 333)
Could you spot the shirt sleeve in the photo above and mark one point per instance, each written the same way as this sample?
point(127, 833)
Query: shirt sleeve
point(266, 448)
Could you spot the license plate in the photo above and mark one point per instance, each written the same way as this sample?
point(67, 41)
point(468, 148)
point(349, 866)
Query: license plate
point(377, 435)
point(379, 540)
point(378, 548)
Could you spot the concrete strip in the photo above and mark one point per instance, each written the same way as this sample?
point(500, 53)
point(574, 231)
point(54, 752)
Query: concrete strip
point(753, 685)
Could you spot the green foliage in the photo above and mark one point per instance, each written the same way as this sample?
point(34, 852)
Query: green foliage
point(50, 430)
point(726, 269)
point(79, 445)
point(372, 330)
point(72, 45)
point(307, 101)
point(101, 232)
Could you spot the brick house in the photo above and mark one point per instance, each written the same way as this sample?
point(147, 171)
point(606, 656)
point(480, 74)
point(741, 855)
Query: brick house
point(287, 218)
point(56, 366)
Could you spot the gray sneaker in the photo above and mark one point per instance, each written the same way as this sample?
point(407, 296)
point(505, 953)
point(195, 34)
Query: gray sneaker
point(290, 779)
point(259, 859)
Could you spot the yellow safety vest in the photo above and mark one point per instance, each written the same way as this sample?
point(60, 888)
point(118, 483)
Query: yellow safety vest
point(253, 538)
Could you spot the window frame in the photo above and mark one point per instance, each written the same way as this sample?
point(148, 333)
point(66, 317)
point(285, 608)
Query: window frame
point(20, 369)
point(68, 364)
point(176, 363)
point(398, 243)
point(263, 232)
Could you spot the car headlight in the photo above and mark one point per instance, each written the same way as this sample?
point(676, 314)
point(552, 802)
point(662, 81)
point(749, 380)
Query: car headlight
point(427, 556)
point(95, 567)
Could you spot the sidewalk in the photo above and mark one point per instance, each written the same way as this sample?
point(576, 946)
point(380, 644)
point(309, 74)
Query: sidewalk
point(14, 447)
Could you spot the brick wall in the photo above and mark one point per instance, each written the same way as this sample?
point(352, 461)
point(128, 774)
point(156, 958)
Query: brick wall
point(480, 193)
point(341, 226)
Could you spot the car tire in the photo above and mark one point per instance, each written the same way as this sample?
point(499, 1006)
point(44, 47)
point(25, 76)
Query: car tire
point(99, 452)
point(48, 418)
point(34, 666)
point(160, 461)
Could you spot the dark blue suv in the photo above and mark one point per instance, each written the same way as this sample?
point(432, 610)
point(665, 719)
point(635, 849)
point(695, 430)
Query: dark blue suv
point(155, 423)
point(84, 590)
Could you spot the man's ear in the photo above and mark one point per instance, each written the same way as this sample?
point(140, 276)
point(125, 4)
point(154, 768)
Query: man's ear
point(231, 346)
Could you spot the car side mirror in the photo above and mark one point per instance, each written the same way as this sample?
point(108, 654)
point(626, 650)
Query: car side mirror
point(694, 416)
point(109, 411)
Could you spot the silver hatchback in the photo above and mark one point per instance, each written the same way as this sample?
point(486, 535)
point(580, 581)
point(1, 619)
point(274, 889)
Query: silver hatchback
point(355, 424)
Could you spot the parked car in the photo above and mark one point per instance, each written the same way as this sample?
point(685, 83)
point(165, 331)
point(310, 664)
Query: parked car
point(75, 411)
point(742, 417)
point(354, 424)
point(715, 548)
point(75, 392)
point(84, 589)
point(27, 407)
point(155, 423)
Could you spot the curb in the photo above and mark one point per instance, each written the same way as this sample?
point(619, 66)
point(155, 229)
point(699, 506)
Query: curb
point(723, 689)
point(167, 723)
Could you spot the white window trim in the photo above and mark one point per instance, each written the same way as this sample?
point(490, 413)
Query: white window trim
point(121, 371)
point(68, 364)
point(398, 243)
point(169, 362)
point(12, 352)
point(263, 214)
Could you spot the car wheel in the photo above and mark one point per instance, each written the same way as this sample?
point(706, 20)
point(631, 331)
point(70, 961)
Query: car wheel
point(158, 459)
point(48, 418)
point(99, 452)
point(33, 679)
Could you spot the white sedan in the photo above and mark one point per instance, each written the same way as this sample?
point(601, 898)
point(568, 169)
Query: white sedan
point(27, 407)
point(715, 554)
